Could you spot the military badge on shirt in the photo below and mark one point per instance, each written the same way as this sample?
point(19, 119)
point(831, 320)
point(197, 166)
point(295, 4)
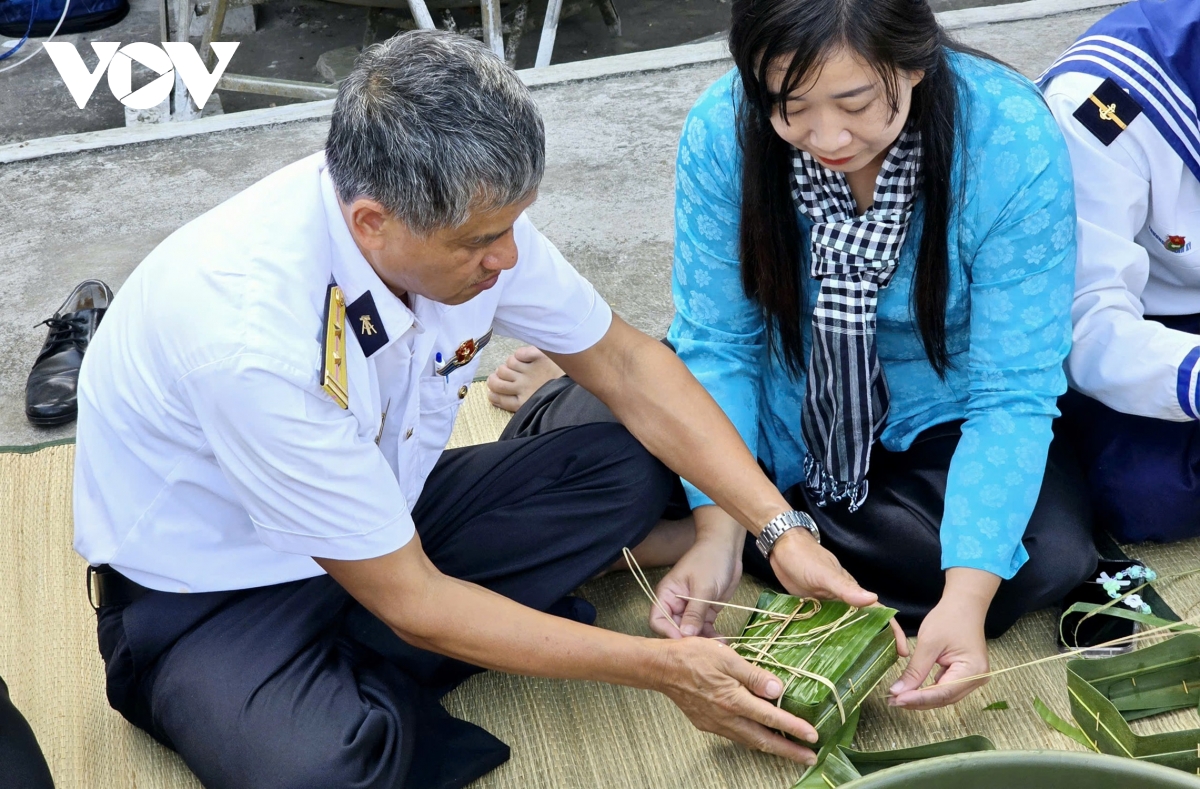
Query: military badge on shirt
point(333, 347)
point(1108, 111)
point(364, 319)
point(464, 354)
point(1177, 245)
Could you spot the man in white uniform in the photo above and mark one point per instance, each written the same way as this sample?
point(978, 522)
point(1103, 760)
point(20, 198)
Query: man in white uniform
point(289, 571)
point(1125, 95)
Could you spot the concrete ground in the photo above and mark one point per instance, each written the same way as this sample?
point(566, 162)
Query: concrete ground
point(606, 200)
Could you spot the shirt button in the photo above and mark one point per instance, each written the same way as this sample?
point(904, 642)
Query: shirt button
point(462, 393)
point(408, 434)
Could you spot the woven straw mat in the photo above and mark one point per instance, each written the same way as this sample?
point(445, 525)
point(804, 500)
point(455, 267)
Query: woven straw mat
point(563, 734)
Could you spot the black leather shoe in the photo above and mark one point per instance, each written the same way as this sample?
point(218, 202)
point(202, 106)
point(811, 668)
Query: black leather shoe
point(50, 390)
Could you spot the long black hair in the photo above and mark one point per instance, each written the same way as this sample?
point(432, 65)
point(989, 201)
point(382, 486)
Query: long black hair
point(892, 36)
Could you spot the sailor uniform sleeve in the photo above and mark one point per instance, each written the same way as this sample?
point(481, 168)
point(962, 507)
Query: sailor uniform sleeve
point(1128, 363)
point(310, 482)
point(717, 332)
point(546, 302)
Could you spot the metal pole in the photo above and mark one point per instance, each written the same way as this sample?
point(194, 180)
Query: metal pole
point(285, 88)
point(420, 14)
point(493, 33)
point(549, 31)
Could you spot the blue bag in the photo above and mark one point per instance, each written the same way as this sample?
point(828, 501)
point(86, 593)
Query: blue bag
point(83, 16)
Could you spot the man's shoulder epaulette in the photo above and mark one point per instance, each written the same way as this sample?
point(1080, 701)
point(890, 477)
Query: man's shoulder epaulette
point(1108, 111)
point(333, 347)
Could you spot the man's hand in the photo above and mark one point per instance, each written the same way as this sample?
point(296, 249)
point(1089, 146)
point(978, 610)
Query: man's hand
point(723, 694)
point(807, 570)
point(710, 570)
point(951, 637)
point(718, 690)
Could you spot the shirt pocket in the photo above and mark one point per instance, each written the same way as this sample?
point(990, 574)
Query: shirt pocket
point(1191, 241)
point(441, 397)
point(1179, 250)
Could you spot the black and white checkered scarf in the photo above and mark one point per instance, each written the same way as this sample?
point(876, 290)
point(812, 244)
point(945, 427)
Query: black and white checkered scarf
point(846, 401)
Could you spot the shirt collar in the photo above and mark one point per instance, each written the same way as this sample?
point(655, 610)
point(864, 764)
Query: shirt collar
point(355, 276)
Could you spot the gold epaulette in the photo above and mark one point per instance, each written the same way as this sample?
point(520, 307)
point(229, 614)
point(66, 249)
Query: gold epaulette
point(333, 361)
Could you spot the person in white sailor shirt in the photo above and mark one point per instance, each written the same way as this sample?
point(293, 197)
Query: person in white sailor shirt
point(1125, 95)
point(288, 570)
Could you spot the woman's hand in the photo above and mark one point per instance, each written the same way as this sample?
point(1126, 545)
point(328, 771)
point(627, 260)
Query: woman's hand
point(951, 637)
point(710, 570)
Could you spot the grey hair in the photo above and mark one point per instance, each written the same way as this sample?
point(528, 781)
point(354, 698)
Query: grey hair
point(433, 126)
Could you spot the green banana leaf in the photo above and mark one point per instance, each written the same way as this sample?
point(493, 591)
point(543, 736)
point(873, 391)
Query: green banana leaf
point(839, 764)
point(849, 649)
point(1110, 609)
point(1062, 725)
point(1107, 693)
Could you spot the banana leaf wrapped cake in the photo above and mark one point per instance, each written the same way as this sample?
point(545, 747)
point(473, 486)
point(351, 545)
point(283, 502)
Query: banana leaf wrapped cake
point(828, 654)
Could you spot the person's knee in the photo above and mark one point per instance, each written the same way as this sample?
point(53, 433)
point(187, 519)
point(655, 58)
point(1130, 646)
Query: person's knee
point(361, 737)
point(646, 482)
point(639, 483)
point(1060, 559)
point(367, 753)
point(1148, 498)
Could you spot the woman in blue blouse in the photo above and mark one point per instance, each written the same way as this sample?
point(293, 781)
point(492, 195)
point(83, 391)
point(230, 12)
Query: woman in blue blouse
point(874, 260)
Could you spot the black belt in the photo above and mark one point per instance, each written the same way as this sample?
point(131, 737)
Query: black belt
point(106, 586)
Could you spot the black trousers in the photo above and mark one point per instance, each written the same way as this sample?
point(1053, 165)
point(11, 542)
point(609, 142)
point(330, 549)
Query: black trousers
point(892, 544)
point(296, 685)
point(1129, 460)
point(22, 765)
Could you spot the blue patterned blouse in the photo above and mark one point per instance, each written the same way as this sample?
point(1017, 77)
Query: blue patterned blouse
point(1008, 323)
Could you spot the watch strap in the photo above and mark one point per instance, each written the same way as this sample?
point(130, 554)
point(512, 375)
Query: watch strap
point(782, 523)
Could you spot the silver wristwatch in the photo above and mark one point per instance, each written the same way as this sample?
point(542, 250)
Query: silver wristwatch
point(782, 523)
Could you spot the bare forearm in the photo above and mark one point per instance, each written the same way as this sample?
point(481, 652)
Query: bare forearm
point(718, 690)
point(713, 523)
point(465, 621)
point(666, 408)
point(489, 630)
point(971, 589)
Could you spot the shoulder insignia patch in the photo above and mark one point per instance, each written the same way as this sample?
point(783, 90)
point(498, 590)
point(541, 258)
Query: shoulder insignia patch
point(1108, 111)
point(333, 345)
point(366, 323)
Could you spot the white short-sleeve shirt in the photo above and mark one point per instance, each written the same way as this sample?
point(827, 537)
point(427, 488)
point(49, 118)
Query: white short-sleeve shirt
point(209, 456)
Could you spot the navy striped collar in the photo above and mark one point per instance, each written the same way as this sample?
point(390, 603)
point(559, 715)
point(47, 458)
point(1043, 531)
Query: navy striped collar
point(1151, 48)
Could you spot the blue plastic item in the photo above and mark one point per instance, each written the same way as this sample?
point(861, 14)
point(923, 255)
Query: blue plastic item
point(83, 16)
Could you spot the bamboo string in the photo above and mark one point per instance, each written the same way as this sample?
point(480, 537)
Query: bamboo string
point(644, 582)
point(1099, 723)
point(1192, 620)
point(761, 653)
point(779, 615)
point(763, 650)
point(799, 672)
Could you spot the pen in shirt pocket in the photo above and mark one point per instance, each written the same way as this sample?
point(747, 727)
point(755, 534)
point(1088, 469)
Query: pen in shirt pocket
point(437, 362)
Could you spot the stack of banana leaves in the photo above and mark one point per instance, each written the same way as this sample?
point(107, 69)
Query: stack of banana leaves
point(828, 654)
point(1107, 693)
